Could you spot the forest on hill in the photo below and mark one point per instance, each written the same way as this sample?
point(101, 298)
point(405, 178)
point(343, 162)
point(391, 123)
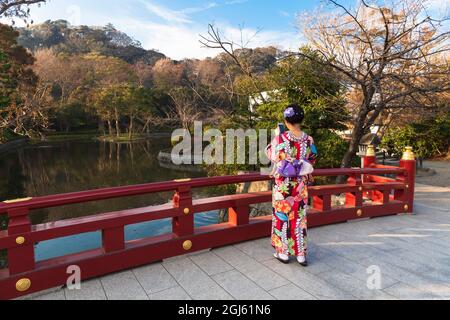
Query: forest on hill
point(100, 78)
point(60, 36)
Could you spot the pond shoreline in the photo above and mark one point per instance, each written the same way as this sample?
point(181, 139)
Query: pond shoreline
point(140, 137)
point(20, 142)
point(58, 167)
point(13, 145)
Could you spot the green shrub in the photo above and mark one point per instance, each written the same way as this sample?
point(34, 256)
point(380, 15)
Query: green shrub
point(429, 138)
point(7, 135)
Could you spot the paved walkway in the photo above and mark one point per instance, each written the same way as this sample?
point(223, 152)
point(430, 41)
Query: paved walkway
point(411, 252)
point(441, 176)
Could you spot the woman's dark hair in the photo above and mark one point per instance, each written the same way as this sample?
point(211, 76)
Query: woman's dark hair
point(294, 114)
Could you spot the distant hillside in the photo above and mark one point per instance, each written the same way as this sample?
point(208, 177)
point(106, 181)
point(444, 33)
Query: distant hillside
point(107, 40)
point(61, 36)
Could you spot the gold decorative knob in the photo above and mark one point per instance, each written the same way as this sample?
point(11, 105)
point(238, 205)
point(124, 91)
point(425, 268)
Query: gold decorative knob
point(370, 151)
point(360, 188)
point(359, 212)
point(187, 245)
point(20, 240)
point(407, 186)
point(406, 207)
point(186, 210)
point(408, 154)
point(23, 284)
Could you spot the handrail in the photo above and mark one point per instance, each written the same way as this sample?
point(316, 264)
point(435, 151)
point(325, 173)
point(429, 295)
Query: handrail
point(125, 191)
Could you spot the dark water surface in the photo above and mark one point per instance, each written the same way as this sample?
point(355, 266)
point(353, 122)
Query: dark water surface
point(52, 168)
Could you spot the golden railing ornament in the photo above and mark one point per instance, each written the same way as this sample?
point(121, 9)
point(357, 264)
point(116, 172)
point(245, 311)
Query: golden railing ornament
point(359, 212)
point(370, 151)
point(183, 180)
point(18, 200)
point(186, 211)
point(187, 245)
point(23, 284)
point(20, 240)
point(408, 154)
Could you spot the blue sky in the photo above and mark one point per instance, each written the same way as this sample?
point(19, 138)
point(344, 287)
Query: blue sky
point(173, 26)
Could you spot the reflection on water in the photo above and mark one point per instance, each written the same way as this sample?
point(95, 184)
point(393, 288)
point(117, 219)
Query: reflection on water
point(53, 168)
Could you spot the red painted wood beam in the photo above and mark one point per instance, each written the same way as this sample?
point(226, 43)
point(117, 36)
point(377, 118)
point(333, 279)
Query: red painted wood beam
point(380, 179)
point(21, 256)
point(223, 202)
point(63, 228)
point(125, 191)
point(383, 186)
point(331, 189)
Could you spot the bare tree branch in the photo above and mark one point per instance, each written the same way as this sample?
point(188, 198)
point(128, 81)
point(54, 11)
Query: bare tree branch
point(395, 54)
point(17, 8)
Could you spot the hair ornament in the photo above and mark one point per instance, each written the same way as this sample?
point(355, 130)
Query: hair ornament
point(289, 112)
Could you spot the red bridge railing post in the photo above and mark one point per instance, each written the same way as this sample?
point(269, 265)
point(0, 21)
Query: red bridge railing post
point(21, 257)
point(355, 198)
point(368, 159)
point(183, 225)
point(113, 239)
point(239, 215)
point(408, 162)
point(322, 202)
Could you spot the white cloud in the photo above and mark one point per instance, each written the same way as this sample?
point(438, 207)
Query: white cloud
point(176, 16)
point(182, 41)
point(207, 6)
point(178, 36)
point(437, 5)
point(175, 41)
point(172, 32)
point(171, 16)
point(231, 2)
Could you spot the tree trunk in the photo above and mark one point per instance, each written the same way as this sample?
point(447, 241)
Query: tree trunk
point(145, 129)
point(117, 123)
point(110, 129)
point(357, 134)
point(117, 128)
point(130, 128)
point(101, 126)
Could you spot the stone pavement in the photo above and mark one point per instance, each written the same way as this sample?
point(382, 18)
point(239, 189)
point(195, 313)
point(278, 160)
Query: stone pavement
point(410, 252)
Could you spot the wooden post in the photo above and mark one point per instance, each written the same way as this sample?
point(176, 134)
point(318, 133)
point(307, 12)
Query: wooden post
point(368, 159)
point(183, 225)
point(21, 257)
point(239, 215)
point(322, 202)
point(113, 239)
point(380, 196)
point(355, 198)
point(409, 163)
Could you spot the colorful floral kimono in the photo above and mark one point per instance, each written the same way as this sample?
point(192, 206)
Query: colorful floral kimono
point(290, 195)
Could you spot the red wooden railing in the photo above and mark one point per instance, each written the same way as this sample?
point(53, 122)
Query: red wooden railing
point(24, 275)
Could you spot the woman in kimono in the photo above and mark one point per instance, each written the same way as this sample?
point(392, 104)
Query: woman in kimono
point(293, 154)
